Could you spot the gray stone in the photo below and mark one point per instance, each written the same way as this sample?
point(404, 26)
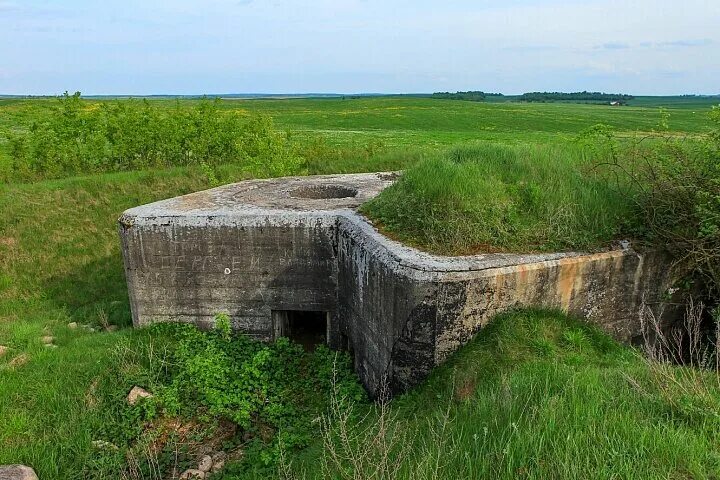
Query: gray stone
point(72, 325)
point(218, 461)
point(136, 394)
point(47, 339)
point(3, 350)
point(17, 472)
point(191, 474)
point(205, 464)
point(262, 249)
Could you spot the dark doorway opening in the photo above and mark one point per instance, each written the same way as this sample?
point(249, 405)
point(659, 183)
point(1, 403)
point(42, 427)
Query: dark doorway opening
point(306, 328)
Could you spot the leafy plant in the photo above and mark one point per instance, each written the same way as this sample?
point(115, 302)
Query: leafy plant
point(79, 137)
point(270, 392)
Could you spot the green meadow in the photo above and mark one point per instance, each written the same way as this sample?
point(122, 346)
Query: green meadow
point(536, 395)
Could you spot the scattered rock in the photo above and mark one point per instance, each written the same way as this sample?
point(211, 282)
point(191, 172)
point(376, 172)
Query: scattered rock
point(3, 350)
point(19, 361)
point(205, 464)
point(136, 394)
point(72, 325)
point(17, 472)
point(218, 461)
point(192, 473)
point(111, 328)
point(103, 445)
point(47, 339)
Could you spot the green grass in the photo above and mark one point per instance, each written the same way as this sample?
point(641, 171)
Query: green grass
point(484, 197)
point(556, 399)
point(539, 395)
point(60, 263)
point(399, 122)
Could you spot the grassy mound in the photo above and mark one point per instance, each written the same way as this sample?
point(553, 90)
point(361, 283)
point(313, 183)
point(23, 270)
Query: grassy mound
point(486, 197)
point(537, 395)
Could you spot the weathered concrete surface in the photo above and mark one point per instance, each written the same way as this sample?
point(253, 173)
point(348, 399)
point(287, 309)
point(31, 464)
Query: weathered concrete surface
point(255, 247)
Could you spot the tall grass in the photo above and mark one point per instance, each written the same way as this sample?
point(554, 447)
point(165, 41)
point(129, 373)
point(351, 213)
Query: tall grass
point(535, 395)
point(486, 197)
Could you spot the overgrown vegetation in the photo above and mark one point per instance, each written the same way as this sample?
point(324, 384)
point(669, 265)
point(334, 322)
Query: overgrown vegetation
point(535, 395)
point(673, 184)
point(678, 195)
point(472, 96)
point(485, 197)
point(214, 391)
point(76, 138)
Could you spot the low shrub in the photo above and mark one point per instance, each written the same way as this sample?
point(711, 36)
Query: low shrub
point(77, 137)
point(675, 191)
point(253, 395)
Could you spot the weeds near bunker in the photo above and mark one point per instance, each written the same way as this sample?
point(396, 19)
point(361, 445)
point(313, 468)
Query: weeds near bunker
point(374, 443)
point(674, 187)
point(586, 407)
point(693, 389)
point(212, 386)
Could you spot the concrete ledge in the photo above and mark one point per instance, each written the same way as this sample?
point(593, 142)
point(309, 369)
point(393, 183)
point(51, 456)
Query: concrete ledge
point(255, 248)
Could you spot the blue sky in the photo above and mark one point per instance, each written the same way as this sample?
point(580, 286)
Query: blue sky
point(283, 46)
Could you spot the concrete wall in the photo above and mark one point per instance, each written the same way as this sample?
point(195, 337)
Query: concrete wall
point(180, 272)
point(251, 248)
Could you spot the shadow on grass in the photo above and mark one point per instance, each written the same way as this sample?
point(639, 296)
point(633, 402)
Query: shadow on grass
point(94, 294)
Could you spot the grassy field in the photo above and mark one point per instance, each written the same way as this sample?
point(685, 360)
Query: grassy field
point(566, 406)
point(428, 122)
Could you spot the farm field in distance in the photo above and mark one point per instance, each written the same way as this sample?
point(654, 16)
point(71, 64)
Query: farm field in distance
point(60, 264)
point(408, 121)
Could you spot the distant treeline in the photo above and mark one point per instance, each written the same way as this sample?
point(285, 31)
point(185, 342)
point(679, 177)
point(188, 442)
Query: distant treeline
point(473, 95)
point(598, 97)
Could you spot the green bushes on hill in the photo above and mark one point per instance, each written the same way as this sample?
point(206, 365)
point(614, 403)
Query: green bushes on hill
point(80, 138)
point(594, 97)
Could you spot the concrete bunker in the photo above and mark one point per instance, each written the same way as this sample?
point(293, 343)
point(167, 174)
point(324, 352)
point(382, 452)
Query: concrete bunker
point(292, 257)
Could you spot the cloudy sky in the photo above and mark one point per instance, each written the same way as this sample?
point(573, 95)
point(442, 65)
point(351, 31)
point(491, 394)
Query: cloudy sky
point(284, 46)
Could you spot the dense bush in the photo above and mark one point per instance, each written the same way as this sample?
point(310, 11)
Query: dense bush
point(269, 393)
point(77, 137)
point(473, 96)
point(677, 199)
